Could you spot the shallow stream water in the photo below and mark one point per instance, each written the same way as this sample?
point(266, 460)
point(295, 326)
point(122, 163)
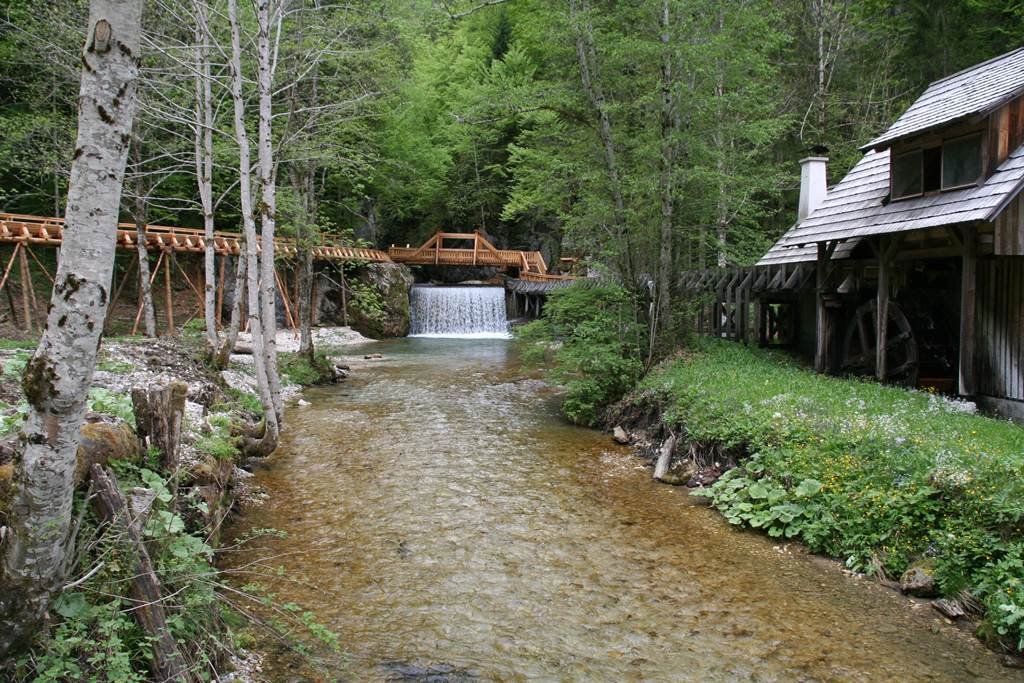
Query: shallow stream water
point(444, 520)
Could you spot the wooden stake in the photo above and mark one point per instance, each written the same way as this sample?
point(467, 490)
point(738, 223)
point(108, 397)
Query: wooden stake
point(26, 289)
point(168, 298)
point(120, 288)
point(284, 299)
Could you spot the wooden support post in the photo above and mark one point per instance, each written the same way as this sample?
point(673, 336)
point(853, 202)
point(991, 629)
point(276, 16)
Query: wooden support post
point(26, 289)
point(169, 298)
point(823, 326)
point(3, 283)
point(968, 310)
point(120, 288)
point(882, 311)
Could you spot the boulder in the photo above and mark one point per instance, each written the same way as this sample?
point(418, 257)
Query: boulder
point(389, 316)
point(105, 441)
point(919, 580)
point(620, 436)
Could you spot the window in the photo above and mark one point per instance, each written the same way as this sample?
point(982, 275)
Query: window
point(931, 160)
point(961, 162)
point(907, 175)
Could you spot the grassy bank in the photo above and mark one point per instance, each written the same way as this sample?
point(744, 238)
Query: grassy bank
point(880, 477)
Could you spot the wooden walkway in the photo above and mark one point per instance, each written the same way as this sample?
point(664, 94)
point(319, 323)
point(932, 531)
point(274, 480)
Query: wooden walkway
point(531, 264)
point(43, 231)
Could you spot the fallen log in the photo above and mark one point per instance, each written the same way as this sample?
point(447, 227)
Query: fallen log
point(665, 458)
point(167, 664)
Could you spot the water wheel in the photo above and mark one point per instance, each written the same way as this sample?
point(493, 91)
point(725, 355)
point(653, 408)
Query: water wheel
point(859, 354)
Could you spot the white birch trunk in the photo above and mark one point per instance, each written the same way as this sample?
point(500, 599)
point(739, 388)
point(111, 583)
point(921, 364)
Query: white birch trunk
point(204, 164)
point(269, 439)
point(268, 201)
point(36, 552)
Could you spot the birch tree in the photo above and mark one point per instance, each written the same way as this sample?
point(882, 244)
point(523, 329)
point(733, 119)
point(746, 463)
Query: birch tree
point(268, 440)
point(36, 550)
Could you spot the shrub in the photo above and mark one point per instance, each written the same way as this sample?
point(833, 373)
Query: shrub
point(590, 342)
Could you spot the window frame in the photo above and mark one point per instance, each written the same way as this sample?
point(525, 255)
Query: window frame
point(919, 151)
point(981, 162)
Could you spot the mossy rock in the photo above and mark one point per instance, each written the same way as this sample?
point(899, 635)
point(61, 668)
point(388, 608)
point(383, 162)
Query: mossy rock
point(103, 442)
point(391, 282)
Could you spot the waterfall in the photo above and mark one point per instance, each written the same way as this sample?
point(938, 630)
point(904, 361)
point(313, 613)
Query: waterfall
point(457, 312)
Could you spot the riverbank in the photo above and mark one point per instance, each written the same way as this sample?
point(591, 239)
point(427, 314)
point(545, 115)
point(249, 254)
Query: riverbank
point(185, 501)
point(907, 486)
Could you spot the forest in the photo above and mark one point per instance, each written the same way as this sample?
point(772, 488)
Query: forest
point(628, 142)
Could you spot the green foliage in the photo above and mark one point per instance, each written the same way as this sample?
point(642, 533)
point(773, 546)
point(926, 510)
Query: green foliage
point(220, 442)
point(14, 367)
point(299, 370)
point(18, 344)
point(590, 343)
point(114, 366)
point(878, 476)
point(109, 403)
point(247, 400)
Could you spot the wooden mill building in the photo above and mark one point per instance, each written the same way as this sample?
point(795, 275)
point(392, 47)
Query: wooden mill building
point(911, 268)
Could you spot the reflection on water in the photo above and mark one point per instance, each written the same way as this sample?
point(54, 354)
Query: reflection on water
point(449, 519)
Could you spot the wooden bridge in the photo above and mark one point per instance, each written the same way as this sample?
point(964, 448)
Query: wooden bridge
point(165, 242)
point(530, 264)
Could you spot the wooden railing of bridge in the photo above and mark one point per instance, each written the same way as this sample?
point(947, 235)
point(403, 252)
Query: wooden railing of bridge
point(530, 264)
point(44, 231)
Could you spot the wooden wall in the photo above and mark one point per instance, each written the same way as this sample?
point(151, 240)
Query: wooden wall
point(1000, 328)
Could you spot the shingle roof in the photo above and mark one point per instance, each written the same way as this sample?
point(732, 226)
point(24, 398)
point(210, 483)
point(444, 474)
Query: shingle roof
point(979, 89)
point(854, 207)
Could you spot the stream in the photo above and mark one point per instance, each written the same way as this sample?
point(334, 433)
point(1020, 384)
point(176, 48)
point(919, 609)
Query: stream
point(449, 525)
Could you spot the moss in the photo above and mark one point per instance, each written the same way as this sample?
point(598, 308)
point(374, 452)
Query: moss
point(38, 381)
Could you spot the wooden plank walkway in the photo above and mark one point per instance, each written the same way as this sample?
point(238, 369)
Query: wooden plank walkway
point(46, 231)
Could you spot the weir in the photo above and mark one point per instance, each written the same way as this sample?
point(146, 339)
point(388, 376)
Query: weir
point(457, 312)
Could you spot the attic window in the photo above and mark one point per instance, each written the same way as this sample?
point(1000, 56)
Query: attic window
point(907, 175)
point(961, 162)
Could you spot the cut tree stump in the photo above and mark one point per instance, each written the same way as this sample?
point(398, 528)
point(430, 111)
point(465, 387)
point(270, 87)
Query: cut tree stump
point(167, 664)
point(158, 412)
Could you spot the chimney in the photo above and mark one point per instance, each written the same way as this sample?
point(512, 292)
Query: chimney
point(813, 185)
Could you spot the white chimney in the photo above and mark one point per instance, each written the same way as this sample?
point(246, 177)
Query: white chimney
point(813, 185)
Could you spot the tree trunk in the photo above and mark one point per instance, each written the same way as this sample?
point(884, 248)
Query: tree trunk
point(141, 215)
point(231, 337)
point(268, 202)
point(35, 555)
point(668, 156)
point(204, 166)
point(268, 442)
point(586, 55)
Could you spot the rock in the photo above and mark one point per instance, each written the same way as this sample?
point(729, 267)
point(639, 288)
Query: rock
point(1013, 662)
point(949, 608)
point(105, 441)
point(919, 581)
point(303, 403)
point(620, 436)
point(391, 283)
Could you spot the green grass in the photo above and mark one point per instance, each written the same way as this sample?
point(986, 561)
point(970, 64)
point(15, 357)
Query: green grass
point(14, 344)
point(877, 476)
point(299, 370)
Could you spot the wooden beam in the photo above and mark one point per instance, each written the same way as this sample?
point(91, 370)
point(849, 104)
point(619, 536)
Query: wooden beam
point(968, 310)
point(882, 309)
